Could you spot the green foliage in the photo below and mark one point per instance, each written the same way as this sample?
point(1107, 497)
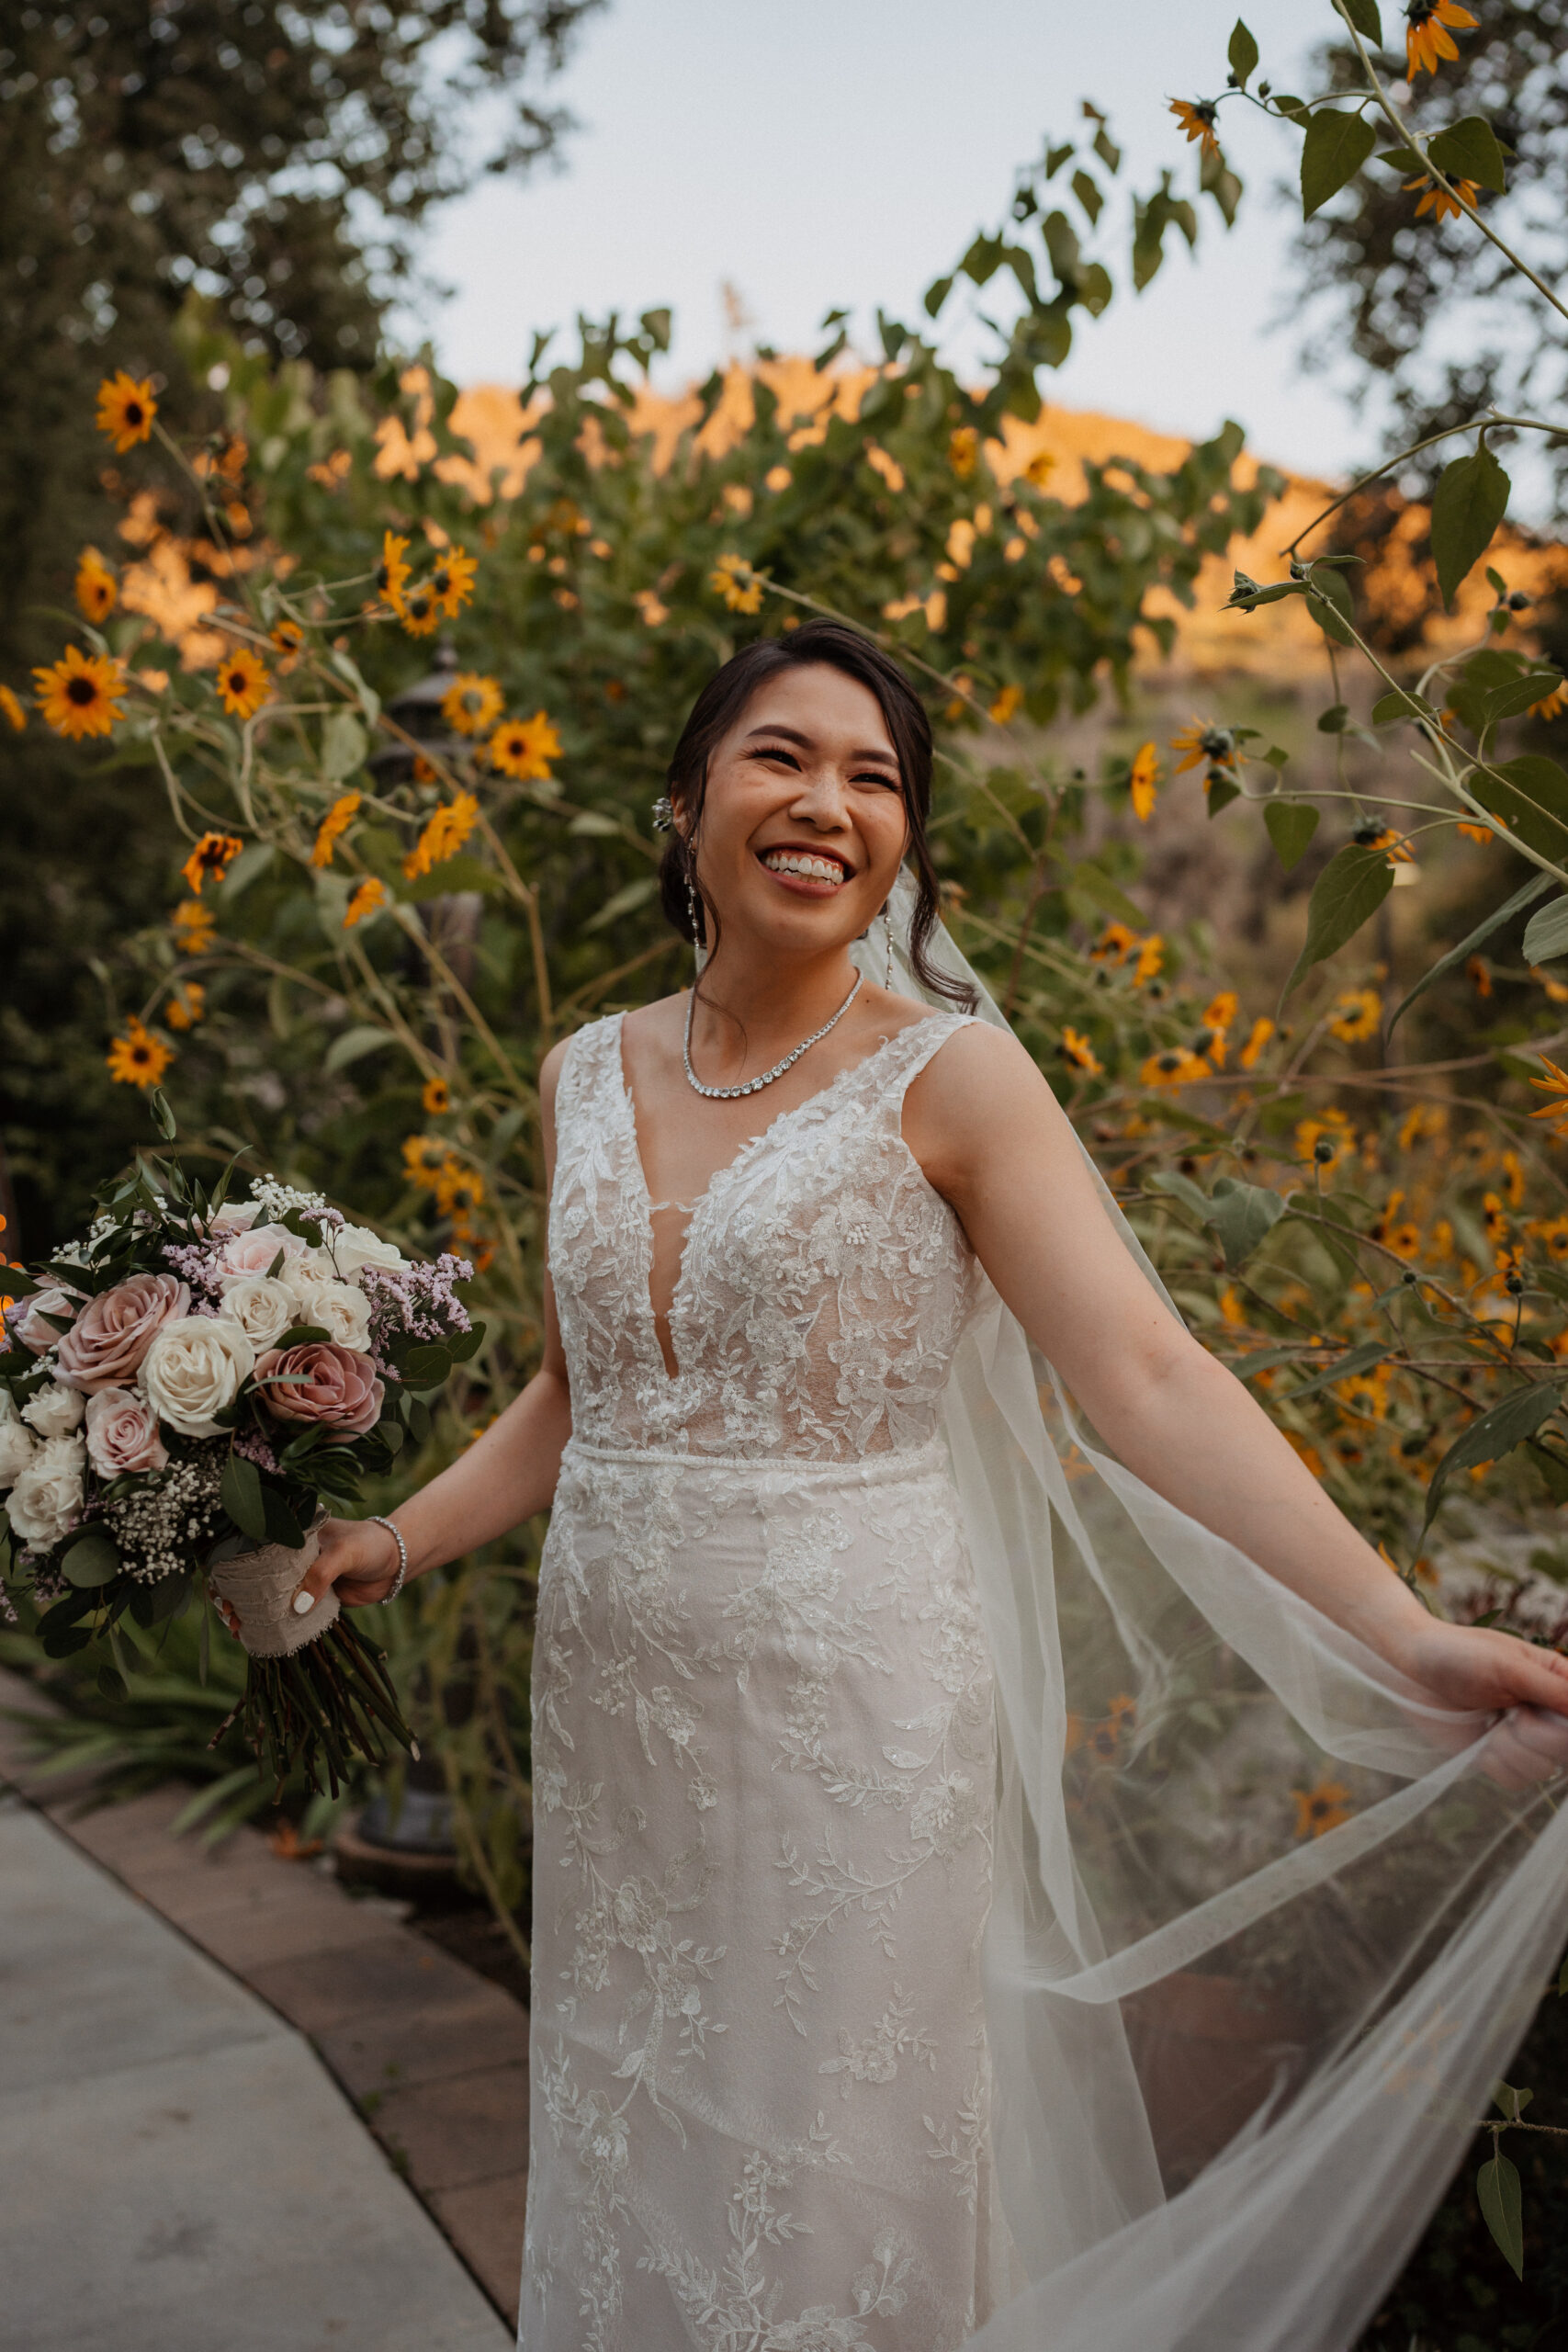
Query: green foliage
point(1498, 2188)
point(1333, 152)
point(1471, 500)
point(1348, 891)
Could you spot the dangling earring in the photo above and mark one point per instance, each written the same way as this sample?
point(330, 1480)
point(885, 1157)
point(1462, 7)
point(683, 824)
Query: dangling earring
point(691, 905)
point(887, 926)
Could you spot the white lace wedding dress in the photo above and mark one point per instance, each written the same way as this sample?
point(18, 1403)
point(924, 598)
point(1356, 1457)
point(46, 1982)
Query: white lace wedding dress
point(764, 1755)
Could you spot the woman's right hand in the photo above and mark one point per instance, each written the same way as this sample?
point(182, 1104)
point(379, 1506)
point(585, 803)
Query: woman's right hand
point(356, 1558)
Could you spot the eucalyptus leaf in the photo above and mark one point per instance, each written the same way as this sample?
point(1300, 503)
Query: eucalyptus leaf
point(92, 1561)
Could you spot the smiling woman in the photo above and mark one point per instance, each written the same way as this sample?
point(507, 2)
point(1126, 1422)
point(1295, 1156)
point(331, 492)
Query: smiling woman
point(1006, 1847)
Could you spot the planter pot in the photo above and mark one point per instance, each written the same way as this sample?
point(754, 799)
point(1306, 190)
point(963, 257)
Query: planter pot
point(260, 1586)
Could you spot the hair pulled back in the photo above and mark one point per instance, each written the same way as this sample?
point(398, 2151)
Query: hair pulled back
point(720, 706)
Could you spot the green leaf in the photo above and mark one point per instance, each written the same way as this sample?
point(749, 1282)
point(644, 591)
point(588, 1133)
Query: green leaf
point(1529, 794)
point(248, 867)
point(1180, 1188)
point(353, 1044)
point(163, 1117)
point(1089, 196)
point(368, 699)
point(423, 1366)
point(343, 746)
point(1472, 939)
point(1290, 826)
point(1510, 2102)
point(280, 1524)
point(1494, 685)
point(454, 874)
point(1219, 790)
point(1497, 1432)
point(1335, 147)
point(1469, 503)
point(1391, 707)
point(240, 1493)
point(1363, 15)
point(1332, 720)
point(111, 1685)
point(1332, 607)
point(91, 1561)
point(636, 894)
point(1501, 2210)
point(1243, 1215)
point(1468, 151)
point(1546, 933)
point(1242, 56)
point(1351, 890)
point(1361, 1359)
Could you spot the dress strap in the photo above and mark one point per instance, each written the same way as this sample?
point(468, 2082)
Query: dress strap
point(906, 1056)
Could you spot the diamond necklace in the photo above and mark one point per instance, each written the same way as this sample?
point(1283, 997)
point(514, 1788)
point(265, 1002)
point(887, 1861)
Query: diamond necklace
point(755, 1085)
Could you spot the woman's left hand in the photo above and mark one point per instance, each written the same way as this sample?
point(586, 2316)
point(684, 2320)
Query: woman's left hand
point(1479, 1670)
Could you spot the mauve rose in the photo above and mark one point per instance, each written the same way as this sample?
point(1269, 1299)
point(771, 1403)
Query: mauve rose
point(318, 1381)
point(122, 1433)
point(105, 1346)
point(254, 1252)
point(26, 1321)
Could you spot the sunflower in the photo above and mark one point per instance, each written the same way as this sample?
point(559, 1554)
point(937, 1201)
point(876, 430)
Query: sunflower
point(1551, 706)
point(446, 830)
point(523, 748)
point(1177, 1065)
point(1007, 703)
point(80, 693)
point(1115, 943)
point(1198, 121)
point(1078, 1050)
point(245, 682)
point(452, 583)
point(418, 609)
point(1478, 972)
point(368, 897)
point(214, 853)
point(333, 826)
point(392, 572)
point(1357, 1015)
point(97, 593)
point(126, 410)
point(1212, 1044)
point(15, 714)
point(1151, 956)
point(422, 1156)
point(1040, 468)
point(963, 450)
point(471, 703)
point(1557, 1085)
point(1320, 1808)
point(186, 1006)
point(1327, 1140)
point(1222, 1010)
point(193, 925)
point(733, 579)
point(1202, 741)
point(288, 641)
point(1440, 204)
point(137, 1058)
point(1144, 778)
point(1482, 833)
point(1262, 1030)
point(435, 1097)
point(1425, 38)
point(1383, 837)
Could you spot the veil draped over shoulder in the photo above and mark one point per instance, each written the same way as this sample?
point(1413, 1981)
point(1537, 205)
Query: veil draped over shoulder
point(1264, 1934)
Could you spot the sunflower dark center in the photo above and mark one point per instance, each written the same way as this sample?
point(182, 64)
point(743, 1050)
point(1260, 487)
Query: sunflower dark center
point(133, 412)
point(82, 692)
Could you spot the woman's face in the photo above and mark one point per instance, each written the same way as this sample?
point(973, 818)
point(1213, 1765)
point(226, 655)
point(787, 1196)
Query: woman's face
point(803, 828)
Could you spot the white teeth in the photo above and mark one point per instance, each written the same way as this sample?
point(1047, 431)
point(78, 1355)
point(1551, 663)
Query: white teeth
point(793, 861)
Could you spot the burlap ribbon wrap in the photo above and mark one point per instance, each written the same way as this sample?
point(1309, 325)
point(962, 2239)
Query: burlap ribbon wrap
point(260, 1587)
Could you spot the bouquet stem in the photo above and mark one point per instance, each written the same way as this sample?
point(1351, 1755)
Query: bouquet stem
point(319, 1708)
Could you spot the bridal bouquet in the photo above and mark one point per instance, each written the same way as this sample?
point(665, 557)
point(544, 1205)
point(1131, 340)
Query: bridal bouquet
point(183, 1396)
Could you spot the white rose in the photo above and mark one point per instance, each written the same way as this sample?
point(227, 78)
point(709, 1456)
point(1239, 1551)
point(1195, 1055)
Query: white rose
point(48, 1495)
point(235, 1216)
point(263, 1308)
point(301, 1273)
point(356, 1246)
point(254, 1250)
point(338, 1310)
point(16, 1447)
point(192, 1371)
point(56, 1410)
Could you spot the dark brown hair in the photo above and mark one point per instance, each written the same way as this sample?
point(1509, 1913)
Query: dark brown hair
point(719, 708)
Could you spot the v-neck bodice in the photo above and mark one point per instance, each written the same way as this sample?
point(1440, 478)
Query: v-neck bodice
point(822, 1289)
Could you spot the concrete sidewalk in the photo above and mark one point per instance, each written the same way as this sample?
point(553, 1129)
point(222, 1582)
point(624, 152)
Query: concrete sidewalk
point(178, 2172)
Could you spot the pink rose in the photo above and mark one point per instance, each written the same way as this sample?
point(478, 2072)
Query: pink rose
point(319, 1381)
point(254, 1252)
point(122, 1433)
point(105, 1346)
point(26, 1321)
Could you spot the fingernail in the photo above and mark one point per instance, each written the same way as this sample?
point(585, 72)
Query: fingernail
point(303, 1603)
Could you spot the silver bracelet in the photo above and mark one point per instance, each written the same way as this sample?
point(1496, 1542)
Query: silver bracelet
point(373, 1519)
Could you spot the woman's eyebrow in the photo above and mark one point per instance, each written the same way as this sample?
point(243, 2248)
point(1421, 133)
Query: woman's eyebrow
point(794, 734)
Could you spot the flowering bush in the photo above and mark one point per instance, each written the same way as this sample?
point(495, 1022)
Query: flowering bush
point(197, 1378)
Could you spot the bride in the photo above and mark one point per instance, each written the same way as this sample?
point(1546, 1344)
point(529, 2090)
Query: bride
point(1011, 1862)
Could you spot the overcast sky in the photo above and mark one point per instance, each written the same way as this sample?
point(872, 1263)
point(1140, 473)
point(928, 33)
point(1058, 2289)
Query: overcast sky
point(842, 152)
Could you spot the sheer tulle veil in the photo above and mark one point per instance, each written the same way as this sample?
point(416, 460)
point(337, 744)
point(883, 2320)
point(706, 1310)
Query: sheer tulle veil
point(1264, 1932)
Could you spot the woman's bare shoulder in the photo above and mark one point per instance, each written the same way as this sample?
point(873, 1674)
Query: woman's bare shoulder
point(978, 1100)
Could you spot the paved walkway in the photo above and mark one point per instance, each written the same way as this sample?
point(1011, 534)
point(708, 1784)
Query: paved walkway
point(178, 2171)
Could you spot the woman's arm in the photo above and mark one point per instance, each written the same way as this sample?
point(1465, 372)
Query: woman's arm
point(503, 1478)
point(992, 1138)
